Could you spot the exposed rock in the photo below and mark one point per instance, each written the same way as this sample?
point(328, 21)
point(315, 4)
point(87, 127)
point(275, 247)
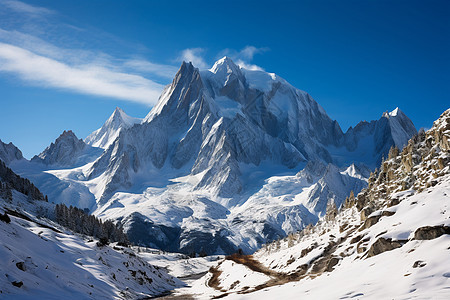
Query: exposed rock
point(431, 232)
point(9, 152)
point(5, 218)
point(67, 150)
point(17, 284)
point(369, 222)
point(20, 266)
point(382, 245)
point(419, 264)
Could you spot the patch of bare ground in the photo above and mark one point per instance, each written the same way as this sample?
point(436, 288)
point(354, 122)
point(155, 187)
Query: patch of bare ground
point(214, 280)
point(277, 278)
point(316, 267)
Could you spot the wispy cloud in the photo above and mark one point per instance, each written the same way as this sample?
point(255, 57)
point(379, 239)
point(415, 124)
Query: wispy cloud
point(88, 79)
point(248, 66)
point(34, 46)
point(241, 57)
point(21, 7)
point(194, 55)
point(249, 51)
point(143, 65)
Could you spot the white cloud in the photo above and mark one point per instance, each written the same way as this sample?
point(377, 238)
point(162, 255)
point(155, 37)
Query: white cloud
point(142, 65)
point(21, 7)
point(244, 56)
point(247, 66)
point(194, 55)
point(249, 51)
point(88, 79)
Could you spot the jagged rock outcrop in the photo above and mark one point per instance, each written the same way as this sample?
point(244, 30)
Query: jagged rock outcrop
point(9, 152)
point(422, 161)
point(370, 141)
point(107, 134)
point(67, 151)
point(209, 122)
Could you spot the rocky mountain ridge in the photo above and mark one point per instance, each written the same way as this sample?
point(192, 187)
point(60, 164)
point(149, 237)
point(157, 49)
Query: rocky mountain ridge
point(213, 165)
point(400, 223)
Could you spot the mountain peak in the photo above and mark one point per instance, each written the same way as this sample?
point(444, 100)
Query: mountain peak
point(105, 136)
point(225, 65)
point(67, 134)
point(9, 152)
point(63, 151)
point(397, 112)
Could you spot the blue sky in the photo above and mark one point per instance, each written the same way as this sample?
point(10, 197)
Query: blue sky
point(68, 64)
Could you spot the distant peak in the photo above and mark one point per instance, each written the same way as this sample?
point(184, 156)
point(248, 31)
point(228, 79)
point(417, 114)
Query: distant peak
point(226, 65)
point(118, 110)
point(67, 134)
point(119, 116)
point(396, 112)
point(186, 65)
point(118, 113)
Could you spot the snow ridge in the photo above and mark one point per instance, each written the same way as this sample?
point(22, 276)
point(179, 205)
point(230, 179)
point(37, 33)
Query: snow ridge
point(107, 134)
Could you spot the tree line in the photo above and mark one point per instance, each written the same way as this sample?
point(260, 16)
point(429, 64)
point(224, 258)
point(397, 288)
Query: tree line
point(79, 221)
point(10, 180)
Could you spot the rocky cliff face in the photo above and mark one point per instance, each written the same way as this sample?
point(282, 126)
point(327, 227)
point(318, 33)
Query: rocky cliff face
point(67, 151)
point(420, 165)
point(9, 153)
point(399, 223)
point(107, 134)
point(211, 122)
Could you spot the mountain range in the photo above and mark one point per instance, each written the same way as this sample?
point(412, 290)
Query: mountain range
point(228, 158)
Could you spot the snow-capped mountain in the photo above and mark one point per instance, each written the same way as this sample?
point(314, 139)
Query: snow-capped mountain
point(208, 123)
point(213, 166)
point(107, 134)
point(396, 230)
point(67, 151)
point(9, 152)
point(368, 142)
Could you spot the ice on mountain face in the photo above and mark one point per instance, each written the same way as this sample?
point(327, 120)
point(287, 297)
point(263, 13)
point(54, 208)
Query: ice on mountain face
point(107, 134)
point(67, 151)
point(9, 153)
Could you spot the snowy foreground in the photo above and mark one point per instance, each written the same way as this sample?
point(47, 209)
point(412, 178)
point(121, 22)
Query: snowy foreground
point(40, 260)
point(418, 269)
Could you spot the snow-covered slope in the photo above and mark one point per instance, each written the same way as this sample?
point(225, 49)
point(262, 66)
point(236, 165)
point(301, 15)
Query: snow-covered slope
point(67, 151)
point(399, 257)
point(41, 260)
point(107, 134)
point(9, 152)
point(178, 218)
point(391, 241)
